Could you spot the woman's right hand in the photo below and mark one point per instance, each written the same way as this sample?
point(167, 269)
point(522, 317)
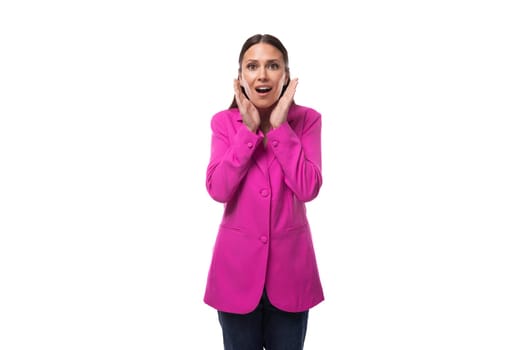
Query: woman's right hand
point(249, 113)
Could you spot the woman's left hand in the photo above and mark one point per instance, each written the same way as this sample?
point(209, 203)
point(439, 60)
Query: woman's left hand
point(280, 112)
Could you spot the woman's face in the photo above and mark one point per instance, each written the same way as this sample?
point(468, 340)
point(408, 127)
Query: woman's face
point(263, 74)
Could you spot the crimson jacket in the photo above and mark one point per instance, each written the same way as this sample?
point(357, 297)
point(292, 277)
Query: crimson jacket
point(264, 239)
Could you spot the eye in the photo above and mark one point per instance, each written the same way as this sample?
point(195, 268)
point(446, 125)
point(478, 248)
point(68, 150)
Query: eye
point(273, 66)
point(251, 66)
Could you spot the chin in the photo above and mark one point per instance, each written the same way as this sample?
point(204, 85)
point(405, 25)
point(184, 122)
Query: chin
point(264, 104)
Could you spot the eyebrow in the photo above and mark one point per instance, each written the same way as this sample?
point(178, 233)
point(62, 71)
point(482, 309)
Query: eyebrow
point(273, 60)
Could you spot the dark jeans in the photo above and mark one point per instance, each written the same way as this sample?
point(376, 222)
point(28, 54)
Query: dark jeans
point(265, 326)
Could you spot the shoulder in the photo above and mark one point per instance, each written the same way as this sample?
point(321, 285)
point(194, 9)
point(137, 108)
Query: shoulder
point(226, 116)
point(304, 112)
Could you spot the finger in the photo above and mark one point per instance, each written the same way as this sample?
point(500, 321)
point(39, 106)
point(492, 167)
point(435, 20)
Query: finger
point(236, 86)
point(294, 82)
point(290, 90)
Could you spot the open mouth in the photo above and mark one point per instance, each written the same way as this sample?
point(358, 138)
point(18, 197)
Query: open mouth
point(263, 89)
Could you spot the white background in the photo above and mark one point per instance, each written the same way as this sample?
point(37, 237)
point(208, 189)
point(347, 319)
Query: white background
point(106, 229)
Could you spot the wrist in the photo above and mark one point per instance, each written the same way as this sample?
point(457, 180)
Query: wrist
point(252, 128)
point(276, 125)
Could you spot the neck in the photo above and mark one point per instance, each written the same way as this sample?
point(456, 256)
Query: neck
point(264, 113)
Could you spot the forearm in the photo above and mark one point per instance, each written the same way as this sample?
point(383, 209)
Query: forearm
point(300, 159)
point(229, 163)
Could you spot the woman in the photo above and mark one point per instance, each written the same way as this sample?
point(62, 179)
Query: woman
point(265, 164)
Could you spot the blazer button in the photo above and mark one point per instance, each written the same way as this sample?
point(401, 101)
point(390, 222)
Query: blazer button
point(263, 239)
point(275, 143)
point(249, 144)
point(264, 192)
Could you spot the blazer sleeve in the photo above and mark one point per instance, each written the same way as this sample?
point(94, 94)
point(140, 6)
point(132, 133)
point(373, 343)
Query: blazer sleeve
point(231, 153)
point(299, 154)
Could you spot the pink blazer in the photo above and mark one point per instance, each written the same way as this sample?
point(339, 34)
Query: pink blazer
point(264, 238)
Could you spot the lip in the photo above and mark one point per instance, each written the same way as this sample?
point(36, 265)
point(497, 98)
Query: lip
point(263, 93)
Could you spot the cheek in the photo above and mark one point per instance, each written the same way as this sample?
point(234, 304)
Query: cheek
point(246, 75)
point(244, 85)
point(244, 81)
point(283, 80)
point(282, 83)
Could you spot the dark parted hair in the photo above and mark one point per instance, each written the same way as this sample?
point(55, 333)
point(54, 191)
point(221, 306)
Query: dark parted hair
point(267, 39)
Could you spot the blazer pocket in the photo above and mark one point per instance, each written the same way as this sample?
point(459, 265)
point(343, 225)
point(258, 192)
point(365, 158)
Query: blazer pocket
point(294, 230)
point(227, 229)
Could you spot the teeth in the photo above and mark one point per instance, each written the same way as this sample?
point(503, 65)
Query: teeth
point(263, 89)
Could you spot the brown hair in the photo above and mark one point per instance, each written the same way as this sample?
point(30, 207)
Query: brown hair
point(267, 39)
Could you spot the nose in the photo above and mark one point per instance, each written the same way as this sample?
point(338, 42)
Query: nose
point(262, 73)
